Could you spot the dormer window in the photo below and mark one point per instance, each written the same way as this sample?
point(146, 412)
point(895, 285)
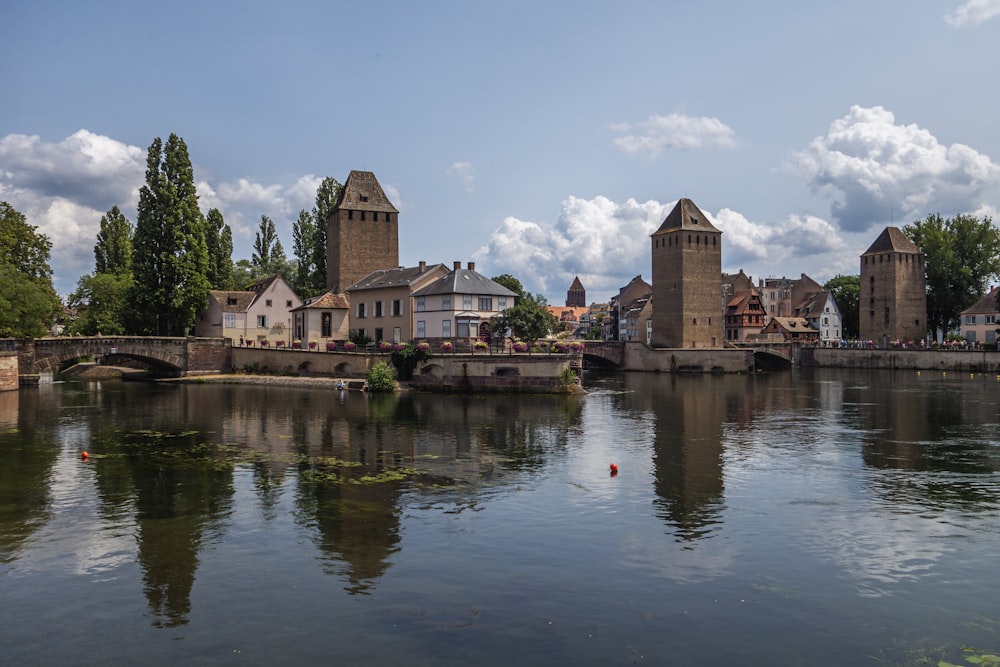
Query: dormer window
point(364, 198)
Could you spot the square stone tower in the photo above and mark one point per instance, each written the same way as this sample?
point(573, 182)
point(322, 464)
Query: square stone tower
point(362, 232)
point(687, 280)
point(893, 300)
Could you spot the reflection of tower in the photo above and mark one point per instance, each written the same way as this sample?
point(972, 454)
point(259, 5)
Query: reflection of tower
point(687, 280)
point(362, 232)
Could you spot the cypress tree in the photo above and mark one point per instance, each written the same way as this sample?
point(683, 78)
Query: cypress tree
point(219, 241)
point(113, 251)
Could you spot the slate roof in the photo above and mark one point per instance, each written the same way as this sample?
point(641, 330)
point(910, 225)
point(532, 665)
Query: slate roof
point(464, 281)
point(391, 277)
point(685, 215)
point(326, 301)
point(362, 192)
point(985, 306)
point(892, 239)
point(577, 286)
point(243, 298)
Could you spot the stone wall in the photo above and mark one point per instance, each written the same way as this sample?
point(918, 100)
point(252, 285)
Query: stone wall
point(484, 373)
point(965, 361)
point(304, 362)
point(209, 355)
point(8, 371)
point(639, 357)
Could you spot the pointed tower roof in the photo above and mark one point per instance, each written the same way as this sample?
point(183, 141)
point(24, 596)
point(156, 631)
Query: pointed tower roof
point(685, 215)
point(577, 285)
point(362, 192)
point(892, 239)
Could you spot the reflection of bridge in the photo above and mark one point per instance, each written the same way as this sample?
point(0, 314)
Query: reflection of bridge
point(166, 356)
point(766, 356)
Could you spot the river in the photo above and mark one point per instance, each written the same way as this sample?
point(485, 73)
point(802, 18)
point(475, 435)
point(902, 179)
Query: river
point(801, 518)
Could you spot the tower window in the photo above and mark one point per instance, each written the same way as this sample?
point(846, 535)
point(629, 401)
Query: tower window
point(362, 216)
point(350, 215)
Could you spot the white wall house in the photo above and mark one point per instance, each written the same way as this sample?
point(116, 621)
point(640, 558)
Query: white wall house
point(323, 319)
point(981, 320)
point(458, 306)
point(264, 312)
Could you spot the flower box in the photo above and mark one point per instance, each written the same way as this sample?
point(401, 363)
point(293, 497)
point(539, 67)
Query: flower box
point(312, 345)
point(520, 347)
point(448, 346)
point(385, 346)
point(279, 343)
point(296, 344)
point(424, 346)
point(330, 347)
point(349, 346)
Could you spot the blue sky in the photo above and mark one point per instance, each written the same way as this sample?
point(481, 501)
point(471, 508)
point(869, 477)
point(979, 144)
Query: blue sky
point(542, 139)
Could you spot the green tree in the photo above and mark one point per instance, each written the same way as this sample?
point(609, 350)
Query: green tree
point(846, 292)
point(244, 274)
point(219, 243)
point(527, 320)
point(101, 301)
point(170, 255)
point(511, 283)
point(268, 255)
point(962, 254)
point(380, 377)
point(29, 304)
point(303, 235)
point(113, 251)
point(327, 195)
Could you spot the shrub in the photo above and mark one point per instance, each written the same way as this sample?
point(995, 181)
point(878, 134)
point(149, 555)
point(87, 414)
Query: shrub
point(406, 359)
point(380, 378)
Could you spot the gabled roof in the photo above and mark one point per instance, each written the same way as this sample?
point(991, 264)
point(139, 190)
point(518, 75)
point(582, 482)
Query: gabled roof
point(791, 324)
point(326, 301)
point(986, 305)
point(244, 299)
point(813, 305)
point(362, 192)
point(685, 215)
point(577, 286)
point(464, 281)
point(892, 239)
point(400, 277)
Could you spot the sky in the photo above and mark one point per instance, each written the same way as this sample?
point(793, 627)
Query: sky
point(545, 139)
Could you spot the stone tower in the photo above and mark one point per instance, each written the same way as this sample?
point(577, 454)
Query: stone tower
point(893, 300)
point(576, 296)
point(362, 232)
point(687, 280)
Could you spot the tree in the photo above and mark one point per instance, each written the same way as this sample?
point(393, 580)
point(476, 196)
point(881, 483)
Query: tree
point(170, 255)
point(219, 244)
point(962, 254)
point(268, 255)
point(527, 320)
point(113, 251)
point(327, 195)
point(847, 293)
point(511, 283)
point(303, 238)
point(29, 304)
point(102, 301)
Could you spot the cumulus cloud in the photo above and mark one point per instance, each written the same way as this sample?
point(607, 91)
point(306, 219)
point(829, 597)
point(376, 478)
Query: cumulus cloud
point(463, 170)
point(674, 132)
point(869, 166)
point(974, 12)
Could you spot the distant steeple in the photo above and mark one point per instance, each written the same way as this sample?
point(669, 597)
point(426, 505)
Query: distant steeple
point(576, 295)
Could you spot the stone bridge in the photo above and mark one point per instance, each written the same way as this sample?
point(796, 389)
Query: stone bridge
point(172, 357)
point(605, 354)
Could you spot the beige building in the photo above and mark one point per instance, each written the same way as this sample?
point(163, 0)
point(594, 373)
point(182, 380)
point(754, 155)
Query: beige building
point(323, 319)
point(459, 306)
point(264, 312)
point(981, 320)
point(893, 299)
point(381, 303)
point(687, 280)
point(362, 232)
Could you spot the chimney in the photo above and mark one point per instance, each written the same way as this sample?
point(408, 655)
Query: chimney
point(456, 266)
point(472, 266)
point(423, 266)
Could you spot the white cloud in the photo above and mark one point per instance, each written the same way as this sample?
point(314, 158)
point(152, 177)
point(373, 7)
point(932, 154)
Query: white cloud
point(872, 167)
point(974, 12)
point(464, 171)
point(676, 131)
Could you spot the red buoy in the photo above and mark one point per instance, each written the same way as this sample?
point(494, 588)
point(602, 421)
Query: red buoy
point(85, 456)
point(614, 469)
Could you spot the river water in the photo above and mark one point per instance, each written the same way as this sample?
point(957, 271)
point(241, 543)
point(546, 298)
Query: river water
point(802, 518)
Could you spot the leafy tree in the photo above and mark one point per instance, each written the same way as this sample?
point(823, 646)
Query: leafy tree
point(29, 304)
point(113, 251)
point(962, 256)
point(244, 274)
point(846, 292)
point(268, 254)
point(327, 195)
point(380, 378)
point(170, 255)
point(527, 320)
point(303, 235)
point(511, 283)
point(219, 243)
point(102, 300)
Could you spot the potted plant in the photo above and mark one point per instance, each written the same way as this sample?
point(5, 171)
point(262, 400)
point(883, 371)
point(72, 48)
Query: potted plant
point(279, 343)
point(385, 346)
point(350, 346)
point(263, 342)
point(400, 346)
point(447, 346)
point(424, 346)
point(520, 346)
point(331, 346)
point(576, 346)
point(297, 343)
point(312, 345)
point(480, 345)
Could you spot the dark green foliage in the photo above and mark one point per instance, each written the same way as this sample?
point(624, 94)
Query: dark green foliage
point(101, 301)
point(962, 256)
point(511, 283)
point(303, 235)
point(170, 255)
point(268, 254)
point(406, 360)
point(380, 378)
point(21, 246)
point(29, 304)
point(326, 198)
point(113, 251)
point(846, 292)
point(358, 338)
point(219, 243)
point(527, 320)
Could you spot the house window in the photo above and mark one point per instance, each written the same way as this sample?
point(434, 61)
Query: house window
point(446, 329)
point(397, 308)
point(991, 319)
point(445, 302)
point(267, 303)
point(262, 321)
point(463, 328)
point(361, 311)
point(421, 329)
point(420, 304)
point(288, 304)
point(485, 303)
point(230, 321)
point(397, 334)
point(326, 325)
point(970, 319)
point(467, 301)
point(378, 309)
point(231, 301)
point(501, 303)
